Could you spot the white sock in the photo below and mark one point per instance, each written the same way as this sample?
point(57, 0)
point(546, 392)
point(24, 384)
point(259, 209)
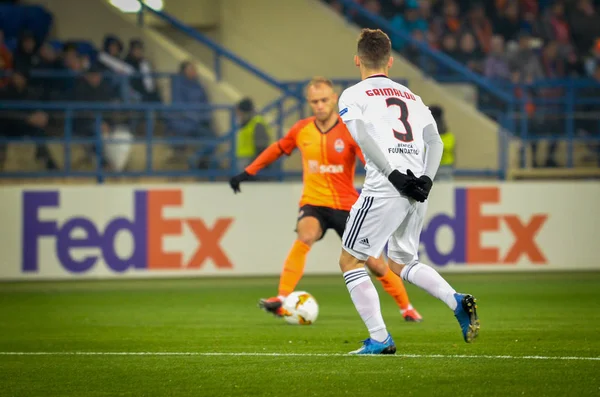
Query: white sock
point(428, 279)
point(366, 300)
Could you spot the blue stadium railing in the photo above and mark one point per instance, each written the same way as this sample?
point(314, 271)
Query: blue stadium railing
point(219, 51)
point(223, 161)
point(152, 114)
point(511, 107)
point(567, 108)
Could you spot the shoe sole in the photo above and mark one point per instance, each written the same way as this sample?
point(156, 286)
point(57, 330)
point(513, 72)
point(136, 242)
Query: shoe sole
point(470, 306)
point(410, 319)
point(387, 350)
point(263, 304)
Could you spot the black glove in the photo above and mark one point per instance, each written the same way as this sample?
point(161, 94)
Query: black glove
point(420, 189)
point(236, 180)
point(403, 183)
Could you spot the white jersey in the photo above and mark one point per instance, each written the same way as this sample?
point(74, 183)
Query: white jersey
point(398, 118)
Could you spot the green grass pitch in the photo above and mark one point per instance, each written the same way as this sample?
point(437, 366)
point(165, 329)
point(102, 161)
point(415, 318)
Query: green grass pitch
point(551, 316)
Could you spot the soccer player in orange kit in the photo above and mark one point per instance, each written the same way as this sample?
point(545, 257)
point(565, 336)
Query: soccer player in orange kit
point(328, 158)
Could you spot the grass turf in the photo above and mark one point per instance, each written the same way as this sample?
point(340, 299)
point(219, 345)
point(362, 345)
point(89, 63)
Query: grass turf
point(533, 314)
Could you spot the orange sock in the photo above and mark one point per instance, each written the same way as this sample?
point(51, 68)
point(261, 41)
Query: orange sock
point(393, 285)
point(293, 268)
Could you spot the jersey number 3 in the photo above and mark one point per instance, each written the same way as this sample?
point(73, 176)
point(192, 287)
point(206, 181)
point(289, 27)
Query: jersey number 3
point(401, 136)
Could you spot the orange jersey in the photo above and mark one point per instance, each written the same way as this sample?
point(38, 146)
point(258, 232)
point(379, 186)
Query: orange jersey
point(328, 163)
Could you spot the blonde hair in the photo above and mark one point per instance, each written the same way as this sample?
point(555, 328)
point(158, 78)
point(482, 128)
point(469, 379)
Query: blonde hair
point(318, 80)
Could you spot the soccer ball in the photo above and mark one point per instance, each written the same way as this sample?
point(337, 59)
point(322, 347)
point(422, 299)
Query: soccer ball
point(300, 308)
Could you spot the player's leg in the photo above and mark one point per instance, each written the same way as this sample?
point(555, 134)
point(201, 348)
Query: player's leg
point(403, 260)
point(369, 226)
point(391, 282)
point(309, 229)
point(393, 285)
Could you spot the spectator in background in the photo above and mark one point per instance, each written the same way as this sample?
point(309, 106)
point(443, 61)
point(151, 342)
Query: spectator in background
point(573, 65)
point(554, 25)
point(585, 26)
point(446, 170)
point(525, 62)
point(411, 52)
point(450, 46)
point(425, 11)
point(49, 61)
point(468, 53)
point(531, 24)
point(593, 60)
point(74, 60)
point(6, 60)
point(71, 59)
point(530, 6)
point(449, 23)
point(71, 62)
point(480, 26)
point(92, 88)
point(18, 124)
point(587, 122)
point(507, 23)
point(409, 22)
point(109, 60)
point(25, 56)
point(496, 64)
point(374, 8)
point(186, 89)
point(553, 66)
point(49, 58)
point(253, 136)
point(391, 8)
point(144, 85)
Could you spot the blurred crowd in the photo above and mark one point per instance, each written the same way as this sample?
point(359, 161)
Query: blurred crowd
point(50, 71)
point(32, 59)
point(507, 41)
point(517, 40)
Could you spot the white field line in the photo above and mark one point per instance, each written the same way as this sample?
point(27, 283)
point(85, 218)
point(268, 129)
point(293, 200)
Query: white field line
point(242, 354)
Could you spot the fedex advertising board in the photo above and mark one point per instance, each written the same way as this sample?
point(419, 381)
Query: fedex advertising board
point(205, 230)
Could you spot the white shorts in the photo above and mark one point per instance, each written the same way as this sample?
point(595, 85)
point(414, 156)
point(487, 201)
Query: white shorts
point(376, 221)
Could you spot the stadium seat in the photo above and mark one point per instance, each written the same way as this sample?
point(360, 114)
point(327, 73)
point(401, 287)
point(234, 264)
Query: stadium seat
point(16, 19)
point(11, 20)
point(37, 20)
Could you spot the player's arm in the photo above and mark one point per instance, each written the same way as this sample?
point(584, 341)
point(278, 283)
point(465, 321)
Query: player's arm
point(363, 133)
point(285, 145)
point(435, 149)
point(433, 156)
point(264, 159)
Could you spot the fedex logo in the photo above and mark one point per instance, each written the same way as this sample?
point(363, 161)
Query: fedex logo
point(469, 224)
point(147, 228)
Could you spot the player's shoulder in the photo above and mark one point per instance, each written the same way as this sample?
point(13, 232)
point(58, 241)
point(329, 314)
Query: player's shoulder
point(300, 124)
point(351, 92)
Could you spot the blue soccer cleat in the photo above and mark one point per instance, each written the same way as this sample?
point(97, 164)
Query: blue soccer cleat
point(371, 346)
point(466, 314)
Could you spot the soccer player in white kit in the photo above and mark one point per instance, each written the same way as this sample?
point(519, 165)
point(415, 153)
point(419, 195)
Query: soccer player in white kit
point(402, 147)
